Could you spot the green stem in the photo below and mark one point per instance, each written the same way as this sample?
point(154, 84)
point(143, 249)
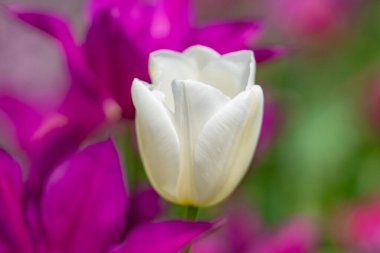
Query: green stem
point(131, 159)
point(191, 215)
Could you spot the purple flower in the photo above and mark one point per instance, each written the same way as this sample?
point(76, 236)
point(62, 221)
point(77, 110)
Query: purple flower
point(120, 36)
point(245, 233)
point(84, 207)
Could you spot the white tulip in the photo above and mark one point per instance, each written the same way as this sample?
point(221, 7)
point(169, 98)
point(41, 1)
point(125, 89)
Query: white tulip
point(198, 123)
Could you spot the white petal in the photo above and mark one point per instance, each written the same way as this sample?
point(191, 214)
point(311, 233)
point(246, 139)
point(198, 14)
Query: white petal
point(201, 55)
point(246, 60)
point(231, 73)
point(226, 146)
point(157, 139)
point(166, 66)
point(195, 104)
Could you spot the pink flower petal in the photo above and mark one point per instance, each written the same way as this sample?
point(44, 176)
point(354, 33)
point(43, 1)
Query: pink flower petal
point(84, 205)
point(164, 237)
point(14, 235)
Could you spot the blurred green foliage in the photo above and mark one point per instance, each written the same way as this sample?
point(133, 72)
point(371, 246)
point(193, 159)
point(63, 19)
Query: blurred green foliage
point(327, 153)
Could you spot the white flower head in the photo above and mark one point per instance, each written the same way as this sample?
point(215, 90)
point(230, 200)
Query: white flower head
point(198, 123)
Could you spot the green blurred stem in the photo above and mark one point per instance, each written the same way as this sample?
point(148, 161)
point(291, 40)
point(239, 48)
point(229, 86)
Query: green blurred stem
point(191, 215)
point(132, 161)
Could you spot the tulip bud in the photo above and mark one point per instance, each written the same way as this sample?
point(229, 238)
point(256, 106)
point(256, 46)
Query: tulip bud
point(198, 123)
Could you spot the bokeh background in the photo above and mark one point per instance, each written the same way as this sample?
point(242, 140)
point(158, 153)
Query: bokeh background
point(321, 153)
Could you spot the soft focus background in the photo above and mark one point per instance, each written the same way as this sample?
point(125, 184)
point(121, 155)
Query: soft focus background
point(320, 156)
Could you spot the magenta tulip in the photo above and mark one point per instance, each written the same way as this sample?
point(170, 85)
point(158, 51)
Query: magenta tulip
point(85, 207)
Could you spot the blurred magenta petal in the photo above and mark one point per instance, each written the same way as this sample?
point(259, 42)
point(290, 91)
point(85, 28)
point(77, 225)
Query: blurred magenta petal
point(357, 226)
point(171, 19)
point(177, 11)
point(88, 74)
point(243, 228)
point(85, 201)
point(72, 105)
point(268, 53)
point(45, 139)
point(109, 53)
point(40, 75)
point(158, 24)
point(52, 25)
point(84, 208)
point(212, 243)
point(81, 77)
point(14, 235)
point(244, 232)
point(164, 237)
point(48, 23)
point(145, 205)
point(94, 6)
point(227, 36)
point(298, 236)
point(23, 118)
point(240, 230)
point(67, 126)
point(81, 107)
point(48, 149)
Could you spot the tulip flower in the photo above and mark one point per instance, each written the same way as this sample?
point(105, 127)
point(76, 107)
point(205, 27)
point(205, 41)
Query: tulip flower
point(198, 123)
point(85, 207)
point(121, 35)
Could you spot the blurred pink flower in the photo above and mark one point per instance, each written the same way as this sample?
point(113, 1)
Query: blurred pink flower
point(84, 207)
point(357, 226)
point(297, 236)
point(245, 233)
point(309, 19)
